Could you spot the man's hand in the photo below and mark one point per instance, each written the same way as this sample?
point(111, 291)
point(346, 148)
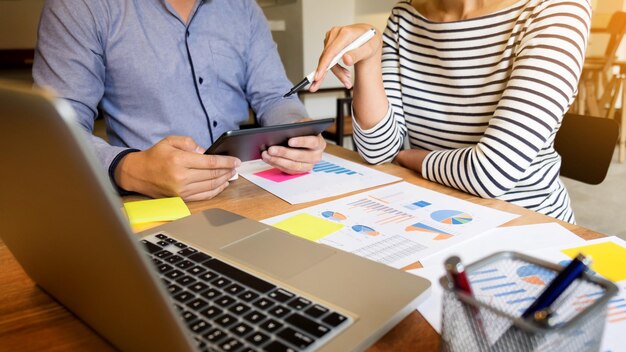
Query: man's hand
point(176, 166)
point(300, 157)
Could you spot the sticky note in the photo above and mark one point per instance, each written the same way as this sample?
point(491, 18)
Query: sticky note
point(308, 226)
point(276, 175)
point(154, 210)
point(146, 225)
point(607, 259)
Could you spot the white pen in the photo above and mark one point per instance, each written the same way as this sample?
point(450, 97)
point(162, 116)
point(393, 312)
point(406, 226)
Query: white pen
point(355, 44)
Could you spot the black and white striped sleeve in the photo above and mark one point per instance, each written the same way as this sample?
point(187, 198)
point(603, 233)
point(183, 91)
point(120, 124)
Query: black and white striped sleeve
point(542, 86)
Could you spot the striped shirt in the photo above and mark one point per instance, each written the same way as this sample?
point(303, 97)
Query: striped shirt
point(486, 95)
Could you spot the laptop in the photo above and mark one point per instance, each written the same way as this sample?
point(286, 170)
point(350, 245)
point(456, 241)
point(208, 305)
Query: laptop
point(211, 281)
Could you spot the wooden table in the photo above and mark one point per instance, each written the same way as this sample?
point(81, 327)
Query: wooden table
point(32, 321)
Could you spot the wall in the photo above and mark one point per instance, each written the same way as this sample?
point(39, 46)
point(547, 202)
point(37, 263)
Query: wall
point(317, 21)
point(285, 23)
point(318, 17)
point(602, 11)
point(18, 23)
point(374, 12)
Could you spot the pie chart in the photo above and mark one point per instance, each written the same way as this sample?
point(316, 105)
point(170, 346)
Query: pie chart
point(365, 230)
point(451, 217)
point(440, 235)
point(332, 215)
point(535, 275)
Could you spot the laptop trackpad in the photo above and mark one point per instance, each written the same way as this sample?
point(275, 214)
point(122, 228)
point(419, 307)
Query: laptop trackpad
point(278, 253)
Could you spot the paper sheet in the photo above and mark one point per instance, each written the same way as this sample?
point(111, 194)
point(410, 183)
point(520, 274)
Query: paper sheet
point(616, 321)
point(330, 177)
point(608, 258)
point(615, 329)
point(399, 224)
point(518, 238)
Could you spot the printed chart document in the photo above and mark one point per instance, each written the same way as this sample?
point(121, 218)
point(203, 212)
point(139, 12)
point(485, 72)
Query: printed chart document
point(609, 261)
point(330, 177)
point(515, 238)
point(396, 225)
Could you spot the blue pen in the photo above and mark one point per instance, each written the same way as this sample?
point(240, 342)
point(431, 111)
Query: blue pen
point(560, 283)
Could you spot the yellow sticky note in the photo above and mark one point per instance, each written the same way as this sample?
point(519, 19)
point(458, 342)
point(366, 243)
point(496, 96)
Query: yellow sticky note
point(308, 226)
point(146, 226)
point(607, 259)
point(154, 210)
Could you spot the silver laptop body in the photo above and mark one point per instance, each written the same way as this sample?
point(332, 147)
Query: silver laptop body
point(62, 221)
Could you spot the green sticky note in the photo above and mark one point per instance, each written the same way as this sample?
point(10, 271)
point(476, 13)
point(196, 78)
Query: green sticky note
point(607, 259)
point(308, 226)
point(164, 209)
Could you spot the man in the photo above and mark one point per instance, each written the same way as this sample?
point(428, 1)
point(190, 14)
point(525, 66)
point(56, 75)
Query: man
point(170, 76)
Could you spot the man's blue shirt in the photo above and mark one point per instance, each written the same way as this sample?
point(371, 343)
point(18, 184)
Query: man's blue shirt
point(152, 75)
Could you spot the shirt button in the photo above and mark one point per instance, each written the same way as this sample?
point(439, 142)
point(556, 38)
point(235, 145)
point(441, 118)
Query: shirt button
point(187, 33)
point(200, 80)
point(214, 123)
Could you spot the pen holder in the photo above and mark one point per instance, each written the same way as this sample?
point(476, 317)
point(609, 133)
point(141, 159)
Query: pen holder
point(503, 286)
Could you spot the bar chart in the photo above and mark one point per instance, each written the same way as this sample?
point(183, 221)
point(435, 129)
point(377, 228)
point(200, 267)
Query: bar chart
point(328, 167)
point(384, 213)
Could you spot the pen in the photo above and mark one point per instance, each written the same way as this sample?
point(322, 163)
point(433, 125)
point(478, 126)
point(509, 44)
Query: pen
point(540, 310)
point(457, 277)
point(456, 274)
point(355, 44)
point(560, 283)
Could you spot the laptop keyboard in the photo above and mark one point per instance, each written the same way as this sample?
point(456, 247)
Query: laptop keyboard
point(228, 309)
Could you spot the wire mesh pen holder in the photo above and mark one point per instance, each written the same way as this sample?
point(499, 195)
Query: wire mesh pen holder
point(504, 285)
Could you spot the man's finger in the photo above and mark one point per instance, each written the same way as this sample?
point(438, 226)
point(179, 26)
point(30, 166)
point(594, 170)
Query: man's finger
point(307, 142)
point(201, 161)
point(205, 195)
point(184, 143)
point(290, 156)
point(200, 175)
point(287, 165)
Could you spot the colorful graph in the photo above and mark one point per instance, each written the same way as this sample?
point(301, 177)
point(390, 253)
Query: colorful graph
point(332, 215)
point(394, 197)
point(325, 166)
point(365, 230)
point(451, 217)
point(389, 250)
point(535, 275)
point(441, 235)
point(386, 214)
point(418, 205)
point(493, 282)
point(617, 306)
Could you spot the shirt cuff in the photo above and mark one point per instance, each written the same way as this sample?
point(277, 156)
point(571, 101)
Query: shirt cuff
point(425, 169)
point(113, 166)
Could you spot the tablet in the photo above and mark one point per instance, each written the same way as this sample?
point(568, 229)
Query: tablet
point(248, 144)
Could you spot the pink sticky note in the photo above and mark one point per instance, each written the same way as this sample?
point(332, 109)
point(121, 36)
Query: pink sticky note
point(277, 175)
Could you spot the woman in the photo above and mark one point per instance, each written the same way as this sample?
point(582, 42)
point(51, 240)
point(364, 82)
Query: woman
point(479, 87)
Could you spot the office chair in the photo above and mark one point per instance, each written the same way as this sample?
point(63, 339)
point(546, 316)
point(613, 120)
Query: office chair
point(603, 79)
point(343, 122)
point(586, 145)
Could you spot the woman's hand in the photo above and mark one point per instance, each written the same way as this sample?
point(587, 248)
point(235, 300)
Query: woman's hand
point(336, 40)
point(412, 159)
